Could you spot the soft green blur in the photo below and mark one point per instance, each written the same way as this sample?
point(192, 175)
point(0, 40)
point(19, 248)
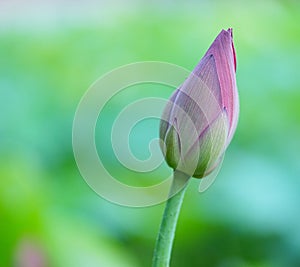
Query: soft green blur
point(50, 53)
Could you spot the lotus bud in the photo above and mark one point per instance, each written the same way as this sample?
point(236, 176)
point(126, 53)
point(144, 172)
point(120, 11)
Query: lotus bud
point(201, 116)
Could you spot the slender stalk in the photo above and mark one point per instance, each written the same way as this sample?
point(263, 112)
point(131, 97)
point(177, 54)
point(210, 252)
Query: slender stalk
point(165, 238)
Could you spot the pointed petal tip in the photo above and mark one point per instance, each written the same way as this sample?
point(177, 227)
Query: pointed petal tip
point(230, 31)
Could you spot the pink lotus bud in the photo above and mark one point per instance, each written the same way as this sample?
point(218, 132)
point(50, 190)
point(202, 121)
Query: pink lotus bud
point(200, 119)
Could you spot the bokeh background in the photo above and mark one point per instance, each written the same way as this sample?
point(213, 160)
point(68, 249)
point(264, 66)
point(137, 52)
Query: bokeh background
point(50, 53)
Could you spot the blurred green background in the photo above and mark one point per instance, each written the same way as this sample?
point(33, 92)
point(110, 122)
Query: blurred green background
point(50, 53)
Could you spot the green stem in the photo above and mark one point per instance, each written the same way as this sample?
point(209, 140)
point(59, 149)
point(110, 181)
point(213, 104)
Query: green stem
point(165, 238)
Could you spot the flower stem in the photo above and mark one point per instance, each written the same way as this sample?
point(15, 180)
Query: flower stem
point(165, 238)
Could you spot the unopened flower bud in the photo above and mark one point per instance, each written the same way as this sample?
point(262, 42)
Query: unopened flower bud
point(200, 119)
